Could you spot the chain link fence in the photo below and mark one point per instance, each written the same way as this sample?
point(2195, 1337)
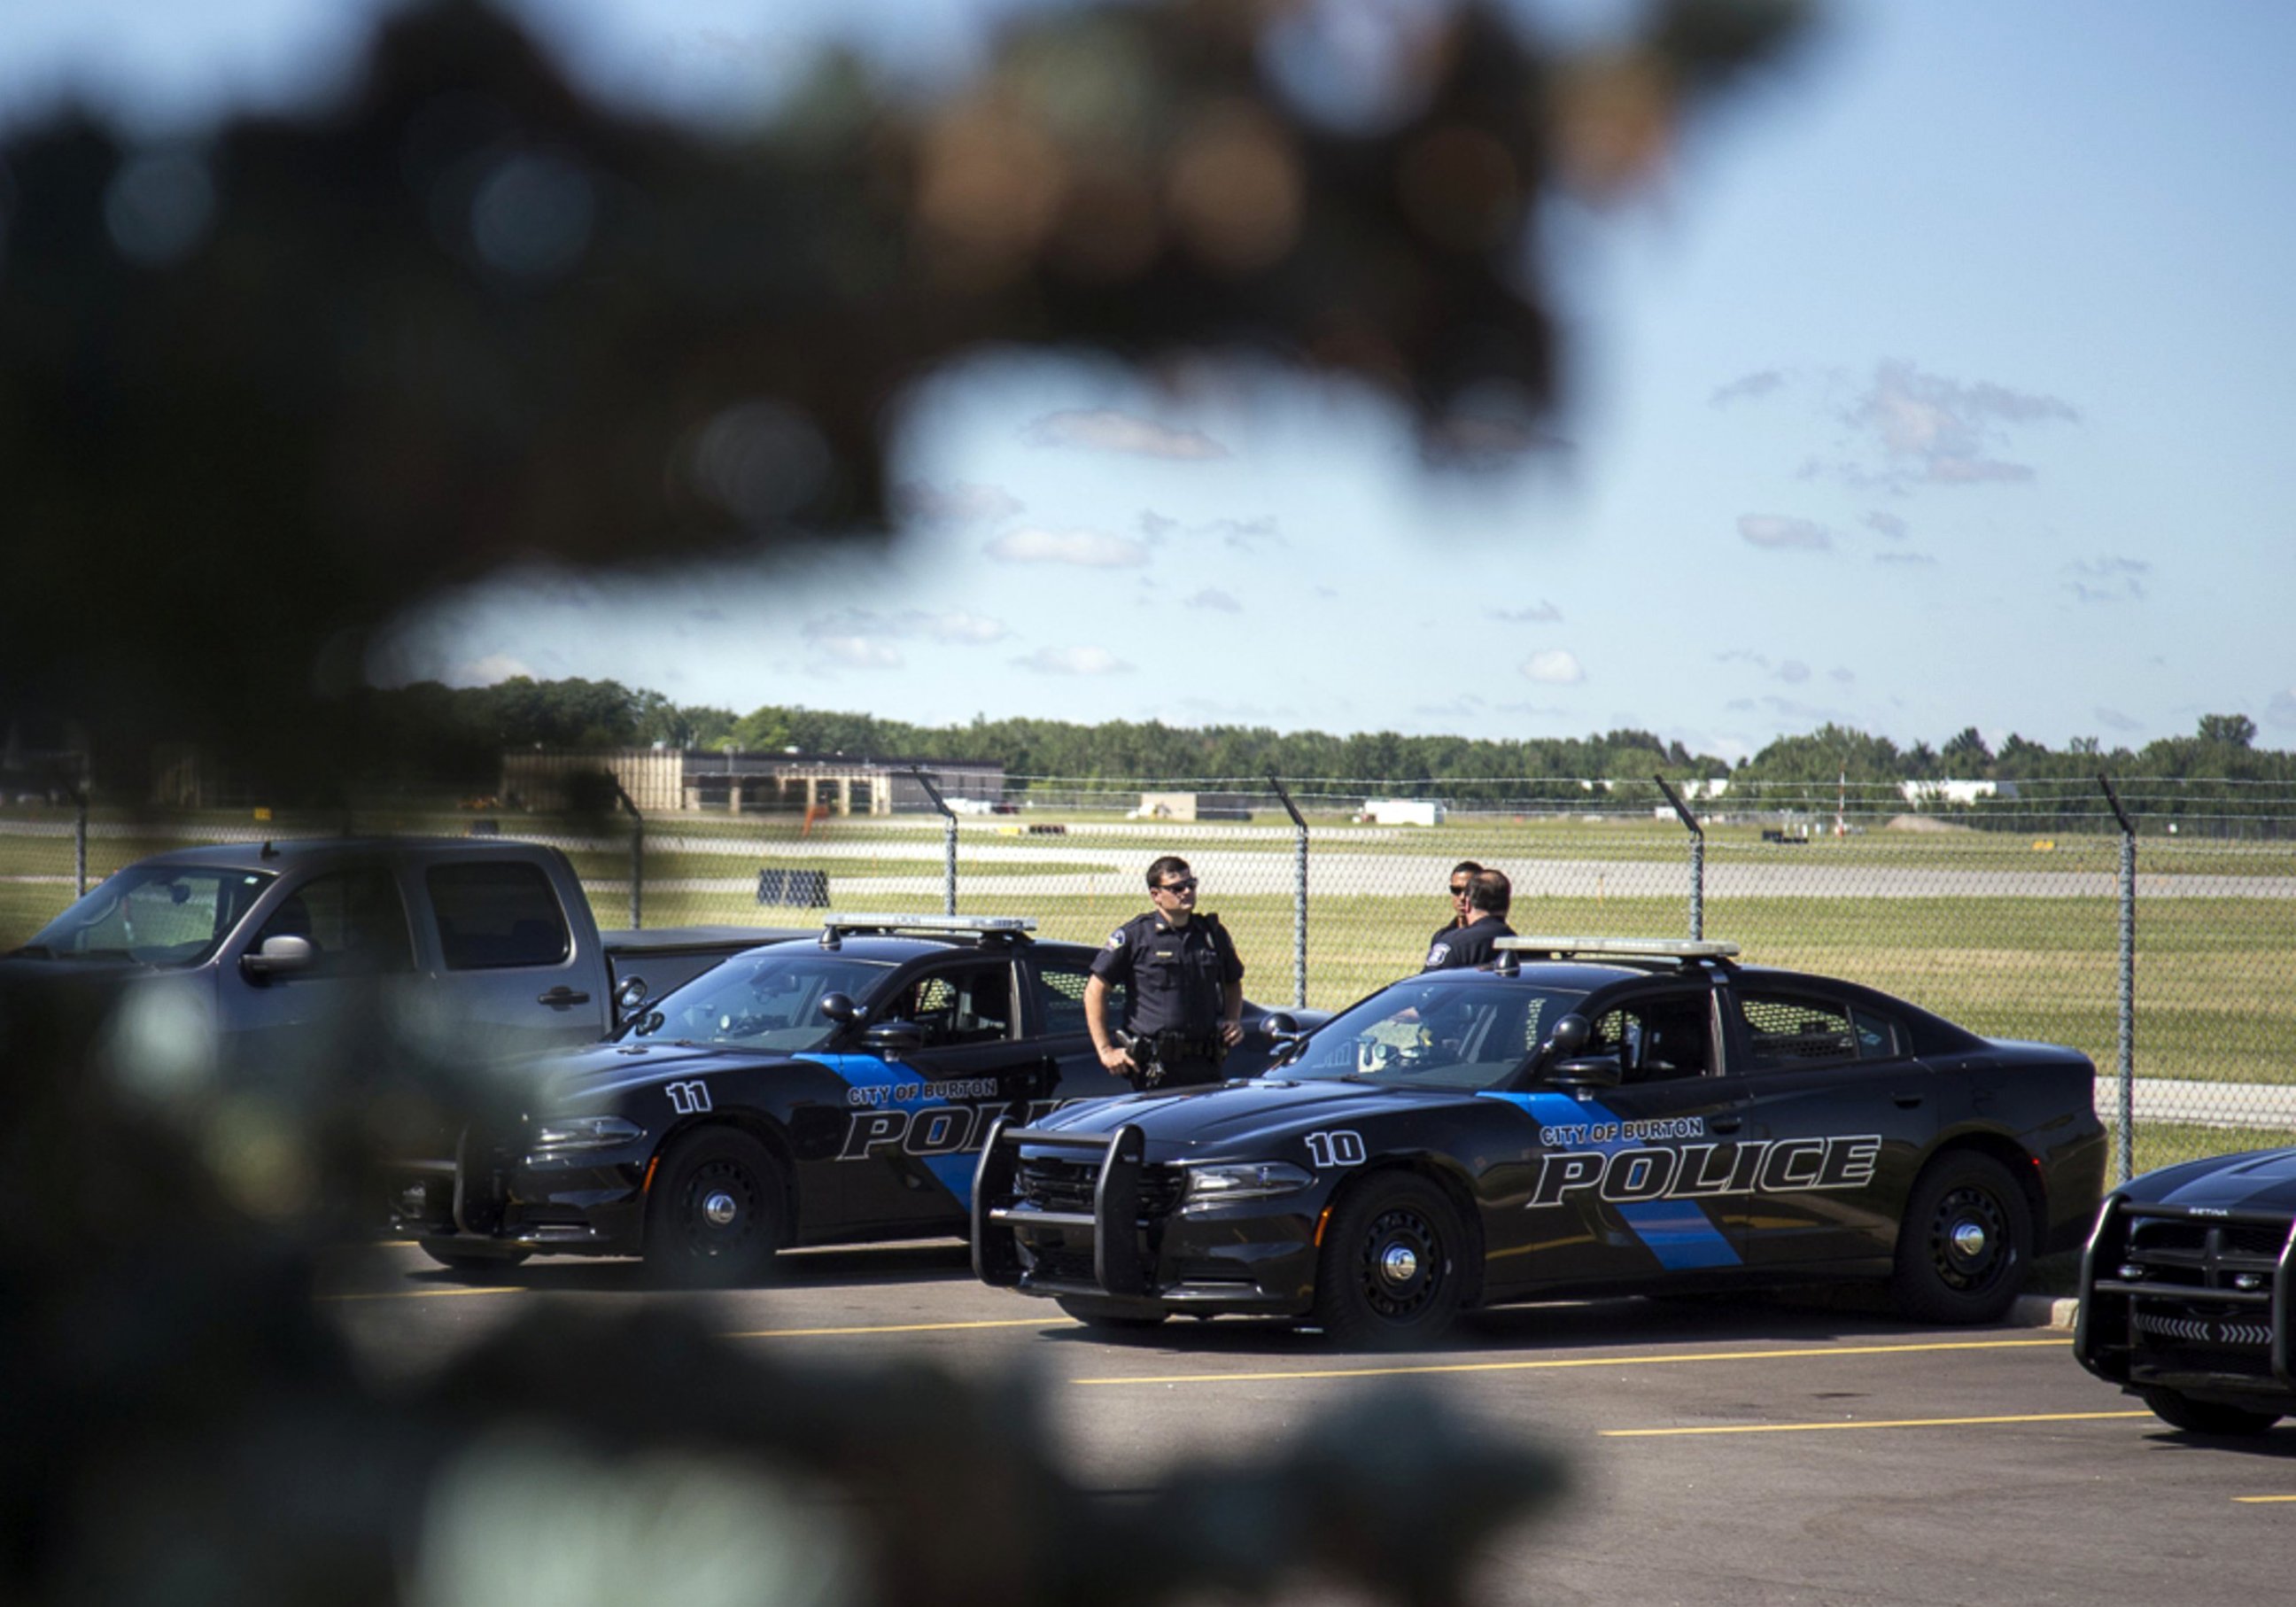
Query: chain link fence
point(2151, 924)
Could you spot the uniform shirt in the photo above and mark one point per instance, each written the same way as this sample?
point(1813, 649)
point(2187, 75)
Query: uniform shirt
point(1172, 976)
point(1456, 946)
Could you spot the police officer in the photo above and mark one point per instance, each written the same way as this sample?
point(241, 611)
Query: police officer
point(1462, 874)
point(1182, 988)
point(1489, 893)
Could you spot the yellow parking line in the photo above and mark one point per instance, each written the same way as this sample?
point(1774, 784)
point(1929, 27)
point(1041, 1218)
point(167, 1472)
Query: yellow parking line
point(2261, 1500)
point(1899, 1423)
point(422, 1295)
point(1037, 1322)
point(1551, 1364)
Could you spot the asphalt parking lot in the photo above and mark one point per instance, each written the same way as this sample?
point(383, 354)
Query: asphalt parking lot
point(1722, 1452)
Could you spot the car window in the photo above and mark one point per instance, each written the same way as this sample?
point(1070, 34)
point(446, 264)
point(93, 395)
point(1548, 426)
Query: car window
point(1786, 1030)
point(355, 922)
point(157, 915)
point(1656, 1040)
point(770, 1001)
point(497, 913)
point(1060, 997)
point(969, 1003)
point(1878, 1037)
point(1440, 1030)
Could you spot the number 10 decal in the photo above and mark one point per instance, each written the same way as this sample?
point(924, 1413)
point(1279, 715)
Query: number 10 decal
point(1341, 1148)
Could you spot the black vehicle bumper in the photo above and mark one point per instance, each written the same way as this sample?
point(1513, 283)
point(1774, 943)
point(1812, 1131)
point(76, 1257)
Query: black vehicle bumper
point(495, 1199)
point(1087, 1216)
point(2201, 1304)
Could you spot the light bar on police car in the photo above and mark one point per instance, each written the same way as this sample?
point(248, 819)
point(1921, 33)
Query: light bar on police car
point(1664, 948)
point(971, 923)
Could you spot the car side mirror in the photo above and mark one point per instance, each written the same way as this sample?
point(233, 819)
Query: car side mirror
point(1277, 1026)
point(281, 955)
point(839, 1007)
point(894, 1037)
point(1570, 1036)
point(629, 997)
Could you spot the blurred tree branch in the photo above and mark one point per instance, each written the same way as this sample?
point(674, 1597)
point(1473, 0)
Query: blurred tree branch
point(257, 397)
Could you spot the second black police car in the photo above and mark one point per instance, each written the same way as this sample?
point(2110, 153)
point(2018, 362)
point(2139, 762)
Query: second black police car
point(1584, 1117)
point(802, 1093)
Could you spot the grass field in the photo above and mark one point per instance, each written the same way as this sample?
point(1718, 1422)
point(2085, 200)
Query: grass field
point(2215, 977)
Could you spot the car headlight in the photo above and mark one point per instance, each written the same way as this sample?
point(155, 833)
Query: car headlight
point(1211, 1186)
point(585, 1132)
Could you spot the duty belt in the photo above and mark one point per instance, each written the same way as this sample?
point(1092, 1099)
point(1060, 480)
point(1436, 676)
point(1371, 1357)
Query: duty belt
point(1154, 1052)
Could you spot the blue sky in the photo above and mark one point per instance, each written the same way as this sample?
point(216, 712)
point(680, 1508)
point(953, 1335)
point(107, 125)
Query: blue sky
point(1945, 382)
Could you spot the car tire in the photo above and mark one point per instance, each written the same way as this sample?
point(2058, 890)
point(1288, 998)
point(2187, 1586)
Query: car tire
point(1094, 1314)
point(1965, 1243)
point(472, 1260)
point(2205, 1417)
point(717, 1210)
point(1389, 1275)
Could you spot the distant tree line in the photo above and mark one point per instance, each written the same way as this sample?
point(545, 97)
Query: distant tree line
point(463, 730)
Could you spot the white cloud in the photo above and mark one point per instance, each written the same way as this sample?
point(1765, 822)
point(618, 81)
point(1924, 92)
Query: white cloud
point(1750, 387)
point(1108, 430)
point(1086, 549)
point(1074, 662)
point(858, 652)
point(1541, 613)
point(1842, 674)
point(1912, 558)
point(1775, 531)
point(496, 667)
point(909, 625)
point(960, 504)
point(2108, 579)
point(1793, 672)
point(1938, 430)
point(2113, 720)
point(1889, 524)
point(1219, 602)
point(1555, 667)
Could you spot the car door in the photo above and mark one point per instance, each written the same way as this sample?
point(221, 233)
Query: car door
point(505, 968)
point(1054, 988)
point(1628, 1185)
point(1843, 1114)
point(292, 1022)
point(931, 1106)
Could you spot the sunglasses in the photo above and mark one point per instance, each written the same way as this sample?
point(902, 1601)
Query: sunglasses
point(1189, 886)
point(1459, 891)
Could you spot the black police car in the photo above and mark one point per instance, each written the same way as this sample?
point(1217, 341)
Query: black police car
point(800, 1093)
point(2186, 1293)
point(1584, 1116)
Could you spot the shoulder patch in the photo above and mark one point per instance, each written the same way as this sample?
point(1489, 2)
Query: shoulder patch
point(1116, 939)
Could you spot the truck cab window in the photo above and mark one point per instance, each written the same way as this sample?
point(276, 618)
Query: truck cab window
point(495, 915)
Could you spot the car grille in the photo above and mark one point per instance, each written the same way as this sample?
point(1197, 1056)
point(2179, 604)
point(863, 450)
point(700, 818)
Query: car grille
point(2186, 1296)
point(1051, 1184)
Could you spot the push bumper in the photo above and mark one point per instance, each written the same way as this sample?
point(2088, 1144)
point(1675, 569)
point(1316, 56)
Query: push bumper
point(2201, 1304)
point(1087, 1216)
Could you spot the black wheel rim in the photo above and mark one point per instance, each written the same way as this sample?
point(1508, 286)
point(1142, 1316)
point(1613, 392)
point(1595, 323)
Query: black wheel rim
point(1402, 1269)
point(721, 1210)
point(1969, 1239)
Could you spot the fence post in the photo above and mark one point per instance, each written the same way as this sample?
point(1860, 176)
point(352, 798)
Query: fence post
point(637, 857)
point(79, 840)
point(2124, 1149)
point(949, 833)
point(1697, 860)
point(1298, 897)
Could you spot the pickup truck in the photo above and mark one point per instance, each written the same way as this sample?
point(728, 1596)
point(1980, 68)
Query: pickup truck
point(491, 941)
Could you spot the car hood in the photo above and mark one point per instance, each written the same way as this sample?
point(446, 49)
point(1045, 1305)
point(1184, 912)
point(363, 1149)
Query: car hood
point(582, 1079)
point(1238, 1112)
point(2264, 1181)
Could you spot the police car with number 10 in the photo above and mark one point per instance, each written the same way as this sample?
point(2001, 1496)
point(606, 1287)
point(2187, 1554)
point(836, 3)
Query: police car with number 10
point(1585, 1116)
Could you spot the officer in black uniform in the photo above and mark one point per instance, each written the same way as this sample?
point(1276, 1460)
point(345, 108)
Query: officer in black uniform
point(1489, 893)
point(1183, 988)
point(1462, 878)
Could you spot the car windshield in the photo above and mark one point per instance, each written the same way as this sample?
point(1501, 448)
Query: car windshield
point(1437, 1032)
point(766, 1001)
point(153, 914)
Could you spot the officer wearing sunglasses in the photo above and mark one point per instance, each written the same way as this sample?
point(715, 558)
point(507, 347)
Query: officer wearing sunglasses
point(1183, 988)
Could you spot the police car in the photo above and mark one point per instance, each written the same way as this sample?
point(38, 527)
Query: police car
point(2186, 1288)
point(1583, 1117)
point(806, 1093)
